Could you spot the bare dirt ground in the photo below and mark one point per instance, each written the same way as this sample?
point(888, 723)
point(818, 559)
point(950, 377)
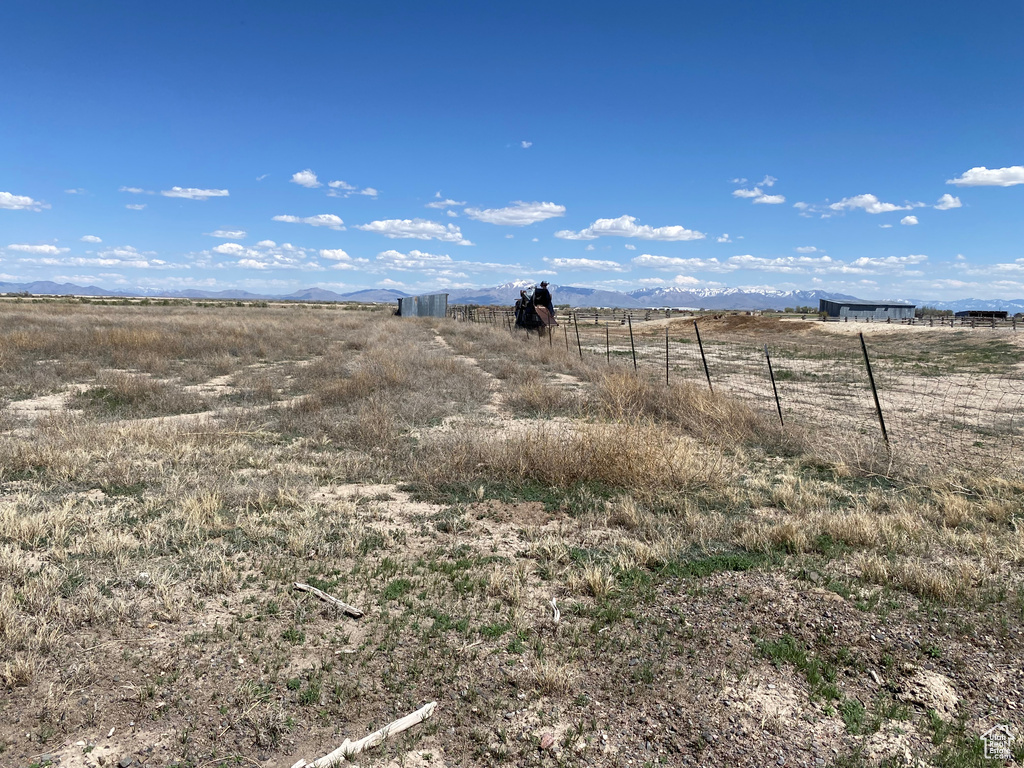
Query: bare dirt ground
point(726, 597)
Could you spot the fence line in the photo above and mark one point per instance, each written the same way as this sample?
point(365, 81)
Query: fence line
point(959, 406)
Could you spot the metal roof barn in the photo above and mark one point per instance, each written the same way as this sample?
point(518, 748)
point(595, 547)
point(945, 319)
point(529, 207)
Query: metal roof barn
point(428, 305)
point(866, 310)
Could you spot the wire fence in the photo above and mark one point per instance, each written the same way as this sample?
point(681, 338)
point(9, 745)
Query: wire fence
point(954, 400)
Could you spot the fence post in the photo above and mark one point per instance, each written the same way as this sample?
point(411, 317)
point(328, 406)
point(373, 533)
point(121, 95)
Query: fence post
point(703, 358)
point(607, 346)
point(874, 390)
point(576, 325)
point(775, 389)
point(632, 346)
point(666, 354)
point(566, 329)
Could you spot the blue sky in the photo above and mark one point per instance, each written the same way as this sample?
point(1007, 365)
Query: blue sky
point(874, 149)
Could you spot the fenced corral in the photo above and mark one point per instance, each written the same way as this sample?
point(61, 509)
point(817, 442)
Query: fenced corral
point(950, 398)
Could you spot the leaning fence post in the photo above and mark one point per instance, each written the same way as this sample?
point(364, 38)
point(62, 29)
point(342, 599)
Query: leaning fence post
point(632, 346)
point(607, 346)
point(703, 358)
point(874, 390)
point(565, 328)
point(775, 389)
point(576, 325)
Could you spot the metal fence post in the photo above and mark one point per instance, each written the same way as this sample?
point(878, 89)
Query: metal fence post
point(576, 325)
point(874, 390)
point(631, 344)
point(703, 358)
point(565, 328)
point(775, 389)
point(666, 354)
point(607, 346)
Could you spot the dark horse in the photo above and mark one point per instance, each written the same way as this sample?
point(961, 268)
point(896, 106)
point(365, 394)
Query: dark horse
point(532, 317)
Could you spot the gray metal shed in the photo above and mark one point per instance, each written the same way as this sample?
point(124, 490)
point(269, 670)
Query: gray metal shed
point(866, 310)
point(428, 305)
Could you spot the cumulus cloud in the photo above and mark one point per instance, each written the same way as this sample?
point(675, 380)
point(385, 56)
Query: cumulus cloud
point(758, 196)
point(306, 178)
point(868, 203)
point(342, 185)
point(671, 262)
point(517, 214)
point(135, 190)
point(445, 203)
point(629, 246)
point(724, 238)
point(990, 177)
point(908, 221)
point(228, 234)
point(328, 220)
point(77, 191)
point(340, 258)
point(191, 193)
point(49, 250)
point(417, 229)
point(598, 264)
point(948, 202)
point(12, 202)
point(90, 239)
point(806, 249)
point(135, 206)
point(267, 255)
point(526, 144)
point(368, 191)
point(125, 256)
point(626, 226)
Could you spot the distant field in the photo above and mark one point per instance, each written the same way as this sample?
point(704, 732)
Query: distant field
point(733, 591)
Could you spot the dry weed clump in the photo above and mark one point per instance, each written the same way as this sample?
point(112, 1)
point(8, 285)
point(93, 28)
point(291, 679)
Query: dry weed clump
point(639, 457)
point(131, 396)
point(624, 396)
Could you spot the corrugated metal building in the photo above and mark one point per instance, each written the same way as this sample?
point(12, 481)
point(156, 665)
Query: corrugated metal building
point(428, 305)
point(866, 310)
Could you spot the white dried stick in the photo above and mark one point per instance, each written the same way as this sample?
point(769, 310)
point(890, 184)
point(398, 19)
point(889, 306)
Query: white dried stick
point(349, 609)
point(349, 748)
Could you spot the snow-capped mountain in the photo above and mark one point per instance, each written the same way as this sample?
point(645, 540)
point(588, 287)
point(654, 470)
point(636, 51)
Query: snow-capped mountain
point(732, 298)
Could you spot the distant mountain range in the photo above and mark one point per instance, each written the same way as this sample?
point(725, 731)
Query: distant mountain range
point(681, 298)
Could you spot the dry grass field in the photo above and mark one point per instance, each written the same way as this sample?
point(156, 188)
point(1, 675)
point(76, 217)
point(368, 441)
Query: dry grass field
point(731, 592)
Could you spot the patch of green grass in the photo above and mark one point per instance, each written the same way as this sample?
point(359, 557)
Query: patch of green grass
point(821, 675)
point(294, 635)
point(702, 567)
point(492, 631)
point(396, 588)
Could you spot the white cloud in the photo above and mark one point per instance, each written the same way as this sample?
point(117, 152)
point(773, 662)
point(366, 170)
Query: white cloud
point(135, 190)
point(908, 221)
point(262, 176)
point(437, 265)
point(74, 191)
point(608, 266)
point(885, 226)
point(228, 234)
point(724, 238)
point(768, 181)
point(338, 255)
point(451, 214)
point(755, 192)
point(446, 203)
point(50, 250)
point(335, 184)
point(669, 262)
point(306, 178)
point(770, 199)
point(517, 214)
point(90, 239)
point(328, 220)
point(191, 193)
point(990, 177)
point(266, 244)
point(626, 226)
point(230, 249)
point(123, 257)
point(629, 246)
point(13, 202)
point(738, 181)
point(418, 229)
point(806, 249)
point(869, 203)
point(948, 202)
point(135, 206)
point(369, 192)
point(526, 144)
point(267, 254)
point(589, 247)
